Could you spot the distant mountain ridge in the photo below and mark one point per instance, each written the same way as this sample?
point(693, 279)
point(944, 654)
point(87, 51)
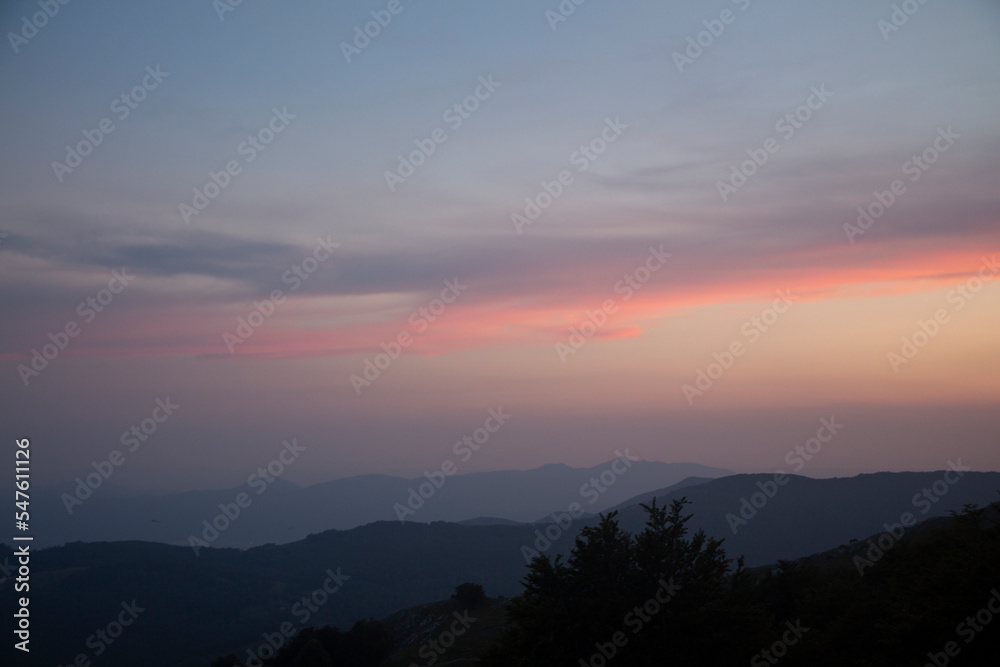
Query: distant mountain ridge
point(224, 599)
point(282, 512)
point(806, 516)
point(647, 497)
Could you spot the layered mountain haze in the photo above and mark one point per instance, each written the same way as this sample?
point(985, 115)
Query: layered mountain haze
point(281, 512)
point(512, 333)
point(768, 521)
point(390, 565)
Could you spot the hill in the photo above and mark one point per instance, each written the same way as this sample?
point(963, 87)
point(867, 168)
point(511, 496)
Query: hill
point(222, 600)
point(281, 512)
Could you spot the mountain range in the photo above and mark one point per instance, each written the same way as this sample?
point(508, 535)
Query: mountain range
point(280, 512)
point(223, 600)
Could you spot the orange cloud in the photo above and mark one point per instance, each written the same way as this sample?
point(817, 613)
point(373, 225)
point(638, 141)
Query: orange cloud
point(322, 326)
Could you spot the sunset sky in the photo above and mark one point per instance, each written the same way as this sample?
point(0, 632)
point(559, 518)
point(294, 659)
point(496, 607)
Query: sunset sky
point(625, 131)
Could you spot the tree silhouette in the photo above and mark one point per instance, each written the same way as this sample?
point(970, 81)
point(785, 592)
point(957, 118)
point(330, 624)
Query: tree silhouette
point(662, 591)
point(469, 595)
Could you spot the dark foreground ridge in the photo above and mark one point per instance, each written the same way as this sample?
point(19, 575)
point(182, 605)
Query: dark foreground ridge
point(666, 596)
point(198, 607)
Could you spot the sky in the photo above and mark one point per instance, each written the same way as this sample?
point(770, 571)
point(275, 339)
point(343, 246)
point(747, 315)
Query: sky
point(690, 229)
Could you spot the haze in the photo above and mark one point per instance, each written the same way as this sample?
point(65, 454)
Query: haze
point(573, 243)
